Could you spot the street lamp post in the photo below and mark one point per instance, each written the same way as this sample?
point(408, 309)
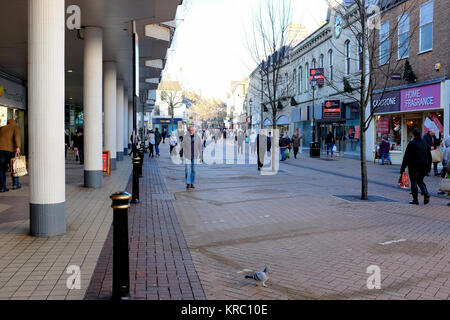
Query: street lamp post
point(314, 151)
point(135, 159)
point(250, 103)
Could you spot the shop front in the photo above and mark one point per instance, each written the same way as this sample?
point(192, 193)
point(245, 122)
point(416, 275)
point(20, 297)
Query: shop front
point(163, 124)
point(13, 106)
point(283, 124)
point(398, 113)
point(343, 120)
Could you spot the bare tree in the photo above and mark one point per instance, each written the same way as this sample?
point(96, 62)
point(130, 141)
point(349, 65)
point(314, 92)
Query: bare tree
point(377, 57)
point(211, 110)
point(171, 94)
point(269, 50)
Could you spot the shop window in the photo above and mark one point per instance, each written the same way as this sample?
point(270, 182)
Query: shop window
point(390, 126)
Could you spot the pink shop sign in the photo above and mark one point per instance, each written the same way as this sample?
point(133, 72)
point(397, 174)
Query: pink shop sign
point(419, 98)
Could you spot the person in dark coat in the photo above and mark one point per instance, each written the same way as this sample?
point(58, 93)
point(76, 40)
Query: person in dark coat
point(295, 144)
point(78, 143)
point(158, 139)
point(385, 146)
point(433, 143)
point(418, 160)
point(330, 143)
point(261, 148)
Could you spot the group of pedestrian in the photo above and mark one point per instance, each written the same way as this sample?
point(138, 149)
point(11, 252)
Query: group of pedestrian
point(153, 139)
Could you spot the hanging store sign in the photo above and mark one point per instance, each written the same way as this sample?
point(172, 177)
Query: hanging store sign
point(316, 74)
point(331, 109)
point(420, 98)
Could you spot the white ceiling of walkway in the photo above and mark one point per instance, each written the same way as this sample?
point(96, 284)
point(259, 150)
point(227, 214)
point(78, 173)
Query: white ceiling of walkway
point(113, 16)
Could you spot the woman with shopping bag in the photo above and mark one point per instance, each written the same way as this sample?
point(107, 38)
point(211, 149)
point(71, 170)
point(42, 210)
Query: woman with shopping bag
point(9, 146)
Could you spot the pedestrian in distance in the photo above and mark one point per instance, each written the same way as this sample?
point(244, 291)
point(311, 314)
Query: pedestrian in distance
point(329, 141)
point(269, 143)
point(79, 144)
point(433, 143)
point(151, 143)
point(240, 141)
point(295, 144)
point(385, 146)
point(284, 142)
point(261, 147)
point(445, 161)
point(158, 139)
point(253, 142)
point(418, 160)
point(164, 135)
point(9, 147)
point(173, 142)
point(192, 153)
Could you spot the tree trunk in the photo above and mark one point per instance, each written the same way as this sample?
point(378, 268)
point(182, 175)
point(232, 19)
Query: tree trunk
point(171, 120)
point(364, 182)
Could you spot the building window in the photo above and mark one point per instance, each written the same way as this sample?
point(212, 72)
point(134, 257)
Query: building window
point(360, 52)
point(295, 81)
point(403, 36)
point(321, 61)
point(313, 64)
point(306, 77)
point(330, 60)
point(300, 79)
point(384, 43)
point(347, 57)
point(426, 26)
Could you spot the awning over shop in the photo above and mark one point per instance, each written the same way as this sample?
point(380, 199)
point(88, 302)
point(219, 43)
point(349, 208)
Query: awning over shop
point(283, 120)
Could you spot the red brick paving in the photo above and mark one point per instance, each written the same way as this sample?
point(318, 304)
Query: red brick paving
point(161, 266)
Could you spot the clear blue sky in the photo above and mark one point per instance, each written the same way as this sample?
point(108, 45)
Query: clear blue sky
point(210, 44)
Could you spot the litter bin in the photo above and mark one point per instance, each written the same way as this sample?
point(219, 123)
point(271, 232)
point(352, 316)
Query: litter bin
point(314, 150)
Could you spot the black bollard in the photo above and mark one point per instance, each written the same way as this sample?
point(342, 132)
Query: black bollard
point(121, 273)
point(136, 163)
point(141, 162)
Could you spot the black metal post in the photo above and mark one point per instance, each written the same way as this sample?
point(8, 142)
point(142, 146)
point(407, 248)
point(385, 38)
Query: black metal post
point(121, 273)
point(135, 187)
point(141, 162)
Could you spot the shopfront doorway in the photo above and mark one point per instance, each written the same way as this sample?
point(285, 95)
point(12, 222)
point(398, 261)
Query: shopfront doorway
point(338, 130)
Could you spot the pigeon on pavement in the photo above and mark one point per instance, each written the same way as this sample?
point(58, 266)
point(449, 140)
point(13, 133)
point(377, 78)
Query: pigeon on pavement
point(261, 276)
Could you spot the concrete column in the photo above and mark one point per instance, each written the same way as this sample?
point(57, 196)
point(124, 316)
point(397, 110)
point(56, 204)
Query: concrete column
point(125, 123)
point(46, 30)
point(130, 123)
point(109, 106)
point(119, 121)
point(93, 99)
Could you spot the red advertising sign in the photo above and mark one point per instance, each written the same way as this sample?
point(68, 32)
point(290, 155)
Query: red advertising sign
point(383, 125)
point(357, 132)
point(332, 109)
point(437, 122)
point(106, 156)
point(316, 74)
